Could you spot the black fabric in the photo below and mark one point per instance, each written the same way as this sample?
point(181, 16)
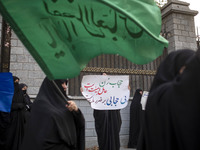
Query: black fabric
point(15, 78)
point(59, 84)
point(172, 113)
point(15, 129)
point(21, 85)
point(135, 119)
point(26, 96)
point(51, 125)
point(28, 106)
point(4, 122)
point(27, 101)
point(107, 125)
point(170, 67)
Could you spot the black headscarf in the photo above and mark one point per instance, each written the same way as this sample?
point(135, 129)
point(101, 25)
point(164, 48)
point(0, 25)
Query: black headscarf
point(135, 114)
point(52, 125)
point(137, 95)
point(170, 67)
point(173, 111)
point(26, 96)
point(59, 84)
point(15, 78)
point(21, 85)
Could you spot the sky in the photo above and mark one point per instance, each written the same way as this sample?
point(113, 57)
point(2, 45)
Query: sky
point(195, 5)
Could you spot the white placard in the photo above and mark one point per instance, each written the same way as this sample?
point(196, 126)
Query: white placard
point(106, 92)
point(144, 99)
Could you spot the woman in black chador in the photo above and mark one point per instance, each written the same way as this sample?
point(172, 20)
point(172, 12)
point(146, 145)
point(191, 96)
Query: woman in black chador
point(135, 114)
point(107, 126)
point(15, 128)
point(27, 100)
point(55, 124)
point(171, 120)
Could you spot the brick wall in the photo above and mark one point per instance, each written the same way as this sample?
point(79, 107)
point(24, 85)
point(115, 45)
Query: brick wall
point(24, 66)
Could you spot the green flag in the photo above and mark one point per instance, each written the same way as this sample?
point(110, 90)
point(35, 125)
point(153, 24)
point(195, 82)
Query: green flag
point(64, 35)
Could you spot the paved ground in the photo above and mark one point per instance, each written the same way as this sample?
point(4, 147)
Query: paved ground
point(122, 148)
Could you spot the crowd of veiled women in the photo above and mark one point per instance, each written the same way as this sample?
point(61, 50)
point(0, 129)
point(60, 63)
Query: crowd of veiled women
point(49, 123)
point(170, 120)
point(13, 123)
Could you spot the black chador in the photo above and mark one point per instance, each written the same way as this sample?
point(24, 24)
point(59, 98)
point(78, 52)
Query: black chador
point(170, 67)
point(135, 119)
point(107, 125)
point(51, 125)
point(171, 120)
point(15, 128)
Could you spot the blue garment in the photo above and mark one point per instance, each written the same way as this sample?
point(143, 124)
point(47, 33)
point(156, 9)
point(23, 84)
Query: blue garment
point(6, 91)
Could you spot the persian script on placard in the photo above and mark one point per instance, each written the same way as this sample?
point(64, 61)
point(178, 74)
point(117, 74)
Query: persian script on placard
point(106, 92)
